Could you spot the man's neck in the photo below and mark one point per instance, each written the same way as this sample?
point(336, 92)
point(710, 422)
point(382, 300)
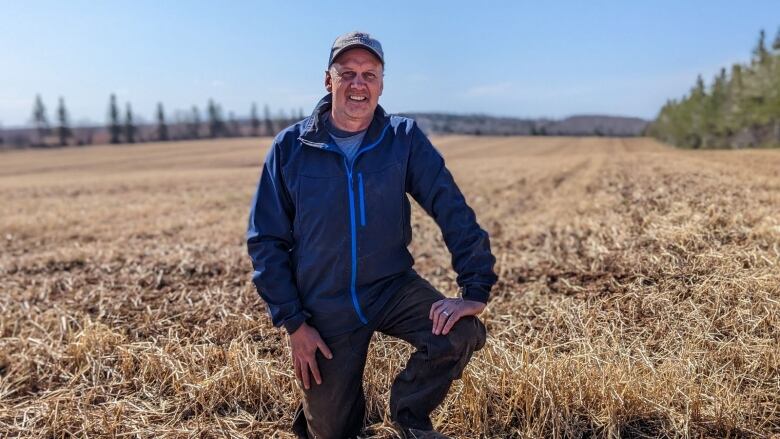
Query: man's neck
point(349, 125)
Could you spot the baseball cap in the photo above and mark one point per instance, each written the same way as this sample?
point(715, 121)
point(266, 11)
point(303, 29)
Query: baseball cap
point(355, 39)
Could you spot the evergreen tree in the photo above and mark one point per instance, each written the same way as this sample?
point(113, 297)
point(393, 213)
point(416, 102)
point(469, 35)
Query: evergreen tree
point(253, 120)
point(735, 118)
point(269, 124)
point(211, 110)
point(194, 130)
point(760, 54)
point(162, 127)
point(129, 125)
point(717, 105)
point(40, 120)
point(114, 126)
point(736, 75)
point(697, 104)
point(776, 43)
point(63, 130)
point(216, 124)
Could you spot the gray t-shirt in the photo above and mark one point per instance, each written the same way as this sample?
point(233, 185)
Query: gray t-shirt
point(348, 142)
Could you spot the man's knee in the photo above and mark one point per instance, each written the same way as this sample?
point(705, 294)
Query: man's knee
point(469, 334)
point(453, 350)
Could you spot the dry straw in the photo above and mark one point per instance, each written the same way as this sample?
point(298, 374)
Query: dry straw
point(639, 294)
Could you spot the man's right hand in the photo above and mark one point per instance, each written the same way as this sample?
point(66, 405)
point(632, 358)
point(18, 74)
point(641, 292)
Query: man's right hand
point(304, 343)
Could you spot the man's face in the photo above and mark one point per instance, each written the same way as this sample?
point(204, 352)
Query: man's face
point(355, 80)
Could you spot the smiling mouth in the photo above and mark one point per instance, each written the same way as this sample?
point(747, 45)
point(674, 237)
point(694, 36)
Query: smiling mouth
point(357, 98)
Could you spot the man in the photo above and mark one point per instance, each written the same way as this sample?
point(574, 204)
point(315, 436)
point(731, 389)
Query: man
point(328, 234)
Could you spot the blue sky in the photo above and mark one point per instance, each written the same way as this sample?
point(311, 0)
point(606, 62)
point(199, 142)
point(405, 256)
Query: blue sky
point(517, 58)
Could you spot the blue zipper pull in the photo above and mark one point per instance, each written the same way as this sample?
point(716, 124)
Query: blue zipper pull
point(362, 200)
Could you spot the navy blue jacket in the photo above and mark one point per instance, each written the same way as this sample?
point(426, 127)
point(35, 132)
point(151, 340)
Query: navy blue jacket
point(328, 241)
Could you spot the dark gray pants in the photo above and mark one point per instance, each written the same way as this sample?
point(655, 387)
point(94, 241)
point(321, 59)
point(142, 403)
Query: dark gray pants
point(336, 408)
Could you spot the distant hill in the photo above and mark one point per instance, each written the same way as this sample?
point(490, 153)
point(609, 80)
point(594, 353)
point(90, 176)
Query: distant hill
point(599, 126)
point(585, 125)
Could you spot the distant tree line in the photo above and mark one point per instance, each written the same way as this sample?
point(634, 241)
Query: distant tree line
point(480, 124)
point(125, 127)
point(43, 130)
point(741, 108)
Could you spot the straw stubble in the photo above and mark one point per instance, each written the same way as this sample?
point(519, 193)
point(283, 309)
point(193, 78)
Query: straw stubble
point(638, 296)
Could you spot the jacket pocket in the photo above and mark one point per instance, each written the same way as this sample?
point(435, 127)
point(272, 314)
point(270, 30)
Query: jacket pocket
point(379, 211)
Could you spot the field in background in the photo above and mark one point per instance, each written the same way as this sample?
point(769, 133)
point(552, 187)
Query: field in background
point(639, 293)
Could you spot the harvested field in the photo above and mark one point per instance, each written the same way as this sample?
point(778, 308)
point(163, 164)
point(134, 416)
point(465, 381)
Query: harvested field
point(639, 293)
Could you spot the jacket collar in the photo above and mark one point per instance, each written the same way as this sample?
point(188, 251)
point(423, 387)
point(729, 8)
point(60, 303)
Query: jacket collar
point(315, 134)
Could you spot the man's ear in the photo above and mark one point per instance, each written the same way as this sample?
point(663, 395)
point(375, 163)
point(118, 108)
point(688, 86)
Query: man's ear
point(328, 81)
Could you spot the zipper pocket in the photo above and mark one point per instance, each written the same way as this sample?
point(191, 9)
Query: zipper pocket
point(362, 200)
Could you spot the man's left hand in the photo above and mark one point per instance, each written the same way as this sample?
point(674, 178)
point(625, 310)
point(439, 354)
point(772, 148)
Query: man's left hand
point(446, 312)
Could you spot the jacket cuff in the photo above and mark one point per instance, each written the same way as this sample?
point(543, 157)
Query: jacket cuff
point(477, 293)
point(293, 323)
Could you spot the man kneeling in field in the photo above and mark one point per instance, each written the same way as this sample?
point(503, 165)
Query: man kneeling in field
point(328, 234)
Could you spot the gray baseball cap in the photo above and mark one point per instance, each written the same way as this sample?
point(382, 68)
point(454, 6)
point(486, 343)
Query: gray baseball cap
point(355, 39)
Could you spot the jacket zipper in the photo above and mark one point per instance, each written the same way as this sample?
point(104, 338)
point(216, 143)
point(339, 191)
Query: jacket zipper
point(362, 200)
point(353, 226)
point(353, 233)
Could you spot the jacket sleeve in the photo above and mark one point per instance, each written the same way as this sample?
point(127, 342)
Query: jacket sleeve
point(269, 242)
point(433, 187)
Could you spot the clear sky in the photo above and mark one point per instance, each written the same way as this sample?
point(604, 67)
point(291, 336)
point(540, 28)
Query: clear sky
point(513, 58)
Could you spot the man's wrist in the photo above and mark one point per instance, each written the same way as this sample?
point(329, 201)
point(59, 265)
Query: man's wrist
point(293, 323)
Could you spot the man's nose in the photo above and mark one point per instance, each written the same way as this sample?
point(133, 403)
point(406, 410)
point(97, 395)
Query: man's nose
point(358, 82)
